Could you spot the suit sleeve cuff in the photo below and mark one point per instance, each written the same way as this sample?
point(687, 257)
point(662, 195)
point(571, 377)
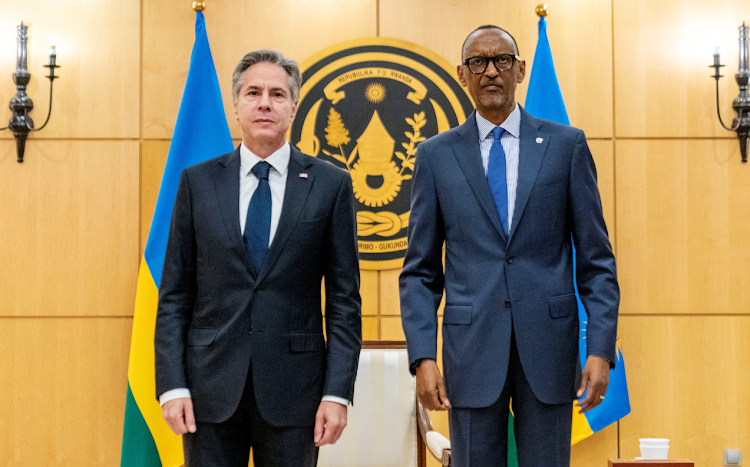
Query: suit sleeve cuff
point(338, 400)
point(174, 394)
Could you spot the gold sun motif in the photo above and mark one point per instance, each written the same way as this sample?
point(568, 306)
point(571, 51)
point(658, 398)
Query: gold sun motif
point(375, 93)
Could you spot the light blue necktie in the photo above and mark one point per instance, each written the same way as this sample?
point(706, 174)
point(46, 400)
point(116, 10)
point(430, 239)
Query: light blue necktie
point(497, 178)
point(258, 222)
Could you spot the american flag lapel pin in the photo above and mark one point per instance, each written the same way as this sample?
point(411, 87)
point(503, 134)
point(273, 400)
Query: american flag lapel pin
point(303, 175)
point(539, 140)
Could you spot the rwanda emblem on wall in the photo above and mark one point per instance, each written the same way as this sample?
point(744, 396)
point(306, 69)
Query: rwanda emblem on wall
point(365, 106)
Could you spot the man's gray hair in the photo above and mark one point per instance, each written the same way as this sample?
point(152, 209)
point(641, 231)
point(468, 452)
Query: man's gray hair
point(270, 56)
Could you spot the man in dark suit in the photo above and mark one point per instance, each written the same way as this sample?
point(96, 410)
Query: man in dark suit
point(506, 192)
point(241, 359)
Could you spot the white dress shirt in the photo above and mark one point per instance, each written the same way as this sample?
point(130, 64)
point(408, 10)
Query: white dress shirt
point(279, 162)
point(511, 146)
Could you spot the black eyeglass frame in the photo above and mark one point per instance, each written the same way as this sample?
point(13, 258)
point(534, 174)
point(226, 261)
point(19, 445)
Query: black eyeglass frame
point(513, 59)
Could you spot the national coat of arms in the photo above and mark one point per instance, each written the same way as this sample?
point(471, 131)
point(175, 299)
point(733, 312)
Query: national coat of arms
point(365, 106)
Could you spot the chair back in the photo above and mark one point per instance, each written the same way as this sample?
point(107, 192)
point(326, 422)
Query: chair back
point(381, 426)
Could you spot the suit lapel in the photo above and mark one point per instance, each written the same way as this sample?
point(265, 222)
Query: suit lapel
point(533, 146)
point(295, 194)
point(227, 183)
point(467, 152)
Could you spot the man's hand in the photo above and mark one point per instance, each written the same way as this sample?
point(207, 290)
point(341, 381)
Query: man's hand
point(179, 415)
point(430, 387)
point(596, 378)
point(330, 422)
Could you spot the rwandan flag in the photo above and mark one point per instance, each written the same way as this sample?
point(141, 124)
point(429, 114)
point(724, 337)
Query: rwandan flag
point(544, 100)
point(201, 132)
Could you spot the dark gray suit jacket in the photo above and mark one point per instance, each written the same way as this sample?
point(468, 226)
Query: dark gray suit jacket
point(495, 283)
point(214, 316)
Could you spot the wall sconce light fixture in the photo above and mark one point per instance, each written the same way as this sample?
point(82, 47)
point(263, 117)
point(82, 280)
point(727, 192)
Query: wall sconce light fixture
point(741, 105)
point(20, 123)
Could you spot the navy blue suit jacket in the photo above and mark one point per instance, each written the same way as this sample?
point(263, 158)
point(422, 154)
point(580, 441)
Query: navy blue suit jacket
point(215, 316)
point(496, 283)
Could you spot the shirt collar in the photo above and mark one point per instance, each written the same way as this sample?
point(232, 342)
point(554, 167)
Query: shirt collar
point(511, 125)
point(279, 160)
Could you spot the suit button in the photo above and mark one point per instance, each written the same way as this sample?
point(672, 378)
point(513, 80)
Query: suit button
point(507, 303)
point(509, 259)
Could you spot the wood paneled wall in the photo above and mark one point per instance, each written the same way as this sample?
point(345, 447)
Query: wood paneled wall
point(75, 215)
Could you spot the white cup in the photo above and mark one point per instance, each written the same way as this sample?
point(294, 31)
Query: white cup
point(654, 452)
point(654, 441)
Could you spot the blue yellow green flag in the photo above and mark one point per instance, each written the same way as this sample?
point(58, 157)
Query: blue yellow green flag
point(201, 132)
point(544, 100)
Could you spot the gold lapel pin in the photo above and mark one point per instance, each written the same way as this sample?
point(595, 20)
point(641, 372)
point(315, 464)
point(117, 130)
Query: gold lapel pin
point(539, 140)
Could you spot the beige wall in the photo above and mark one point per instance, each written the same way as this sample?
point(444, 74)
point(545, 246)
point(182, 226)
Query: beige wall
point(75, 214)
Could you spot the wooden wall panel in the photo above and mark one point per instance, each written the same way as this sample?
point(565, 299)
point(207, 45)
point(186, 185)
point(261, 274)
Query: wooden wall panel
point(153, 159)
point(368, 289)
point(390, 303)
point(71, 234)
point(64, 385)
point(296, 28)
point(682, 227)
point(662, 52)
point(688, 382)
point(391, 329)
point(596, 449)
point(370, 328)
point(97, 93)
point(579, 31)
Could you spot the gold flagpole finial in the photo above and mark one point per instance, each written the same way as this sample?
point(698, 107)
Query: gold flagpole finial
point(542, 10)
point(199, 6)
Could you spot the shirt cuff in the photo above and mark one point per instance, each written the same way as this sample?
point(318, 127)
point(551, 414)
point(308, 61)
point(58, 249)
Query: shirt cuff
point(174, 394)
point(338, 400)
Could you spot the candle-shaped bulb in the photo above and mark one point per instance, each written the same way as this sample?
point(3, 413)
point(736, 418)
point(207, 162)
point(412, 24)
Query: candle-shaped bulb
point(717, 55)
point(52, 44)
point(21, 54)
point(744, 43)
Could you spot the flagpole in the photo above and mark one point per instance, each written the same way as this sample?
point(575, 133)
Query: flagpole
point(200, 6)
point(541, 10)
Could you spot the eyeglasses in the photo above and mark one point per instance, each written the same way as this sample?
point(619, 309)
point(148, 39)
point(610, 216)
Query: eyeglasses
point(503, 62)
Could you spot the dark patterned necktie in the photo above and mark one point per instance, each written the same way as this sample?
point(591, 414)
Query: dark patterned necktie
point(258, 222)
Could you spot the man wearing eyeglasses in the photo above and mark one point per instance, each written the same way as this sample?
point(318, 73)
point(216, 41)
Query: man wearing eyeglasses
point(508, 195)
